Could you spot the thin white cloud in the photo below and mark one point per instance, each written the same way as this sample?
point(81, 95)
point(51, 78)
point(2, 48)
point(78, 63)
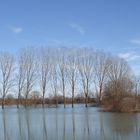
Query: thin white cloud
point(129, 56)
point(77, 27)
point(15, 29)
point(135, 41)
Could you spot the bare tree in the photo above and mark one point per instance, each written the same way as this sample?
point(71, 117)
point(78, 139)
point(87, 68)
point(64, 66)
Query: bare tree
point(63, 71)
point(30, 70)
point(118, 71)
point(72, 72)
point(54, 82)
point(136, 82)
point(20, 77)
point(101, 64)
point(85, 62)
point(45, 69)
point(6, 68)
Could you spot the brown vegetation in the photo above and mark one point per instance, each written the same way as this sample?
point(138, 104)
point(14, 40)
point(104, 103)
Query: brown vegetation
point(47, 101)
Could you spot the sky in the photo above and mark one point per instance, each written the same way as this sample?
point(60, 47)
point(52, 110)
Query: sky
point(111, 25)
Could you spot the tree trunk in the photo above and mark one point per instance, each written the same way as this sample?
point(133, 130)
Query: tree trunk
point(86, 100)
point(56, 99)
point(43, 101)
point(18, 102)
point(64, 99)
point(26, 100)
point(73, 96)
point(3, 103)
point(100, 95)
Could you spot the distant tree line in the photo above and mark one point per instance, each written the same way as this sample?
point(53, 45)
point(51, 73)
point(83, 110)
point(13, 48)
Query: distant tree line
point(69, 72)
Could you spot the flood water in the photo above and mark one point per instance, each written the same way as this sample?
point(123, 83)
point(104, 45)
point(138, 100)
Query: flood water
point(79, 123)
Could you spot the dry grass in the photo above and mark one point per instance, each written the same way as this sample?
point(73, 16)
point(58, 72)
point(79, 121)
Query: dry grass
point(52, 101)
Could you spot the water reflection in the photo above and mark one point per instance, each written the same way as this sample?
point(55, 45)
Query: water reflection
point(44, 124)
point(4, 125)
point(73, 125)
point(67, 124)
point(120, 126)
point(21, 136)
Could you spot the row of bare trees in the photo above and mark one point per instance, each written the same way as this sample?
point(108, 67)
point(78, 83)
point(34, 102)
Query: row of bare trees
point(61, 71)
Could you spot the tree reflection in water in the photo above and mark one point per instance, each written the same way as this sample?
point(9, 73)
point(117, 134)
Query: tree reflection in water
point(44, 115)
point(67, 124)
point(73, 124)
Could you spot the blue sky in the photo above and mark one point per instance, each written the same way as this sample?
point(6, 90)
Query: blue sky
point(111, 25)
